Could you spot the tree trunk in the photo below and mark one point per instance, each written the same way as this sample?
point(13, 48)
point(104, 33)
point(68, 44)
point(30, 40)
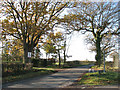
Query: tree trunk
point(33, 53)
point(27, 61)
point(64, 56)
point(25, 55)
point(59, 58)
point(46, 59)
point(64, 52)
point(98, 51)
point(27, 48)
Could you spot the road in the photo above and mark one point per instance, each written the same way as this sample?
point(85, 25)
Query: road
point(56, 80)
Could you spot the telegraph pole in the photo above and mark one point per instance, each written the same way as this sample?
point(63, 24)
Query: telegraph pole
point(119, 36)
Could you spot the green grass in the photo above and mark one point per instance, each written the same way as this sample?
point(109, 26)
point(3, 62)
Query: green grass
point(108, 78)
point(42, 71)
point(58, 63)
point(37, 68)
point(97, 67)
point(5, 61)
point(107, 67)
point(53, 66)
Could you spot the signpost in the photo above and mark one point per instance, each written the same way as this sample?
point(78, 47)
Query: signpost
point(29, 64)
point(29, 56)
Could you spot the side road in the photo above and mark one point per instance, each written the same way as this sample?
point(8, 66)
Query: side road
point(56, 80)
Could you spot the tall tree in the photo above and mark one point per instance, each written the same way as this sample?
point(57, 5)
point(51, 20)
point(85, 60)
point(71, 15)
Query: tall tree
point(54, 44)
point(58, 40)
point(48, 46)
point(97, 18)
point(28, 21)
point(108, 44)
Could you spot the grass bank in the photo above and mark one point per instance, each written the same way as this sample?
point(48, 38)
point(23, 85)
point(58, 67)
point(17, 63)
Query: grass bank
point(108, 78)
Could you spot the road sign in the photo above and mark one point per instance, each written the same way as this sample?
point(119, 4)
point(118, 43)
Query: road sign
point(29, 54)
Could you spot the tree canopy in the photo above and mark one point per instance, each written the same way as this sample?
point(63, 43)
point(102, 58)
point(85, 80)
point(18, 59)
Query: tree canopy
point(28, 21)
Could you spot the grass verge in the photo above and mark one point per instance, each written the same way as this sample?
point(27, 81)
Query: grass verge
point(108, 78)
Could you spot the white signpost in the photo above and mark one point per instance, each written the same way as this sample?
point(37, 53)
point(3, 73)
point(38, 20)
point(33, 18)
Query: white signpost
point(29, 54)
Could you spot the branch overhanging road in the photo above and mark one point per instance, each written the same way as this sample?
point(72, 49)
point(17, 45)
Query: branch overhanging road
point(56, 80)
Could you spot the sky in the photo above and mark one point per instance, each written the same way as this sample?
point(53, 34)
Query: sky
point(78, 49)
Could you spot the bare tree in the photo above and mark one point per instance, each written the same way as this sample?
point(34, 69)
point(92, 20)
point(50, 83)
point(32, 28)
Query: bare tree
point(108, 44)
point(98, 18)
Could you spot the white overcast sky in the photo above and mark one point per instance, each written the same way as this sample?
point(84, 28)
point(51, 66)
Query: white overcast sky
point(78, 49)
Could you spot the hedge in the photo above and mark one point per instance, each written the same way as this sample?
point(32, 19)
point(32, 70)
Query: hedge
point(42, 62)
point(12, 68)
